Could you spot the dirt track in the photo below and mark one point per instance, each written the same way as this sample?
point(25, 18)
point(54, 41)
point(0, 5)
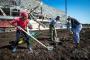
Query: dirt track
point(64, 51)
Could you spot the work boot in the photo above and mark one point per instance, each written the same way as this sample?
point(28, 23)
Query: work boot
point(30, 50)
point(77, 45)
point(14, 50)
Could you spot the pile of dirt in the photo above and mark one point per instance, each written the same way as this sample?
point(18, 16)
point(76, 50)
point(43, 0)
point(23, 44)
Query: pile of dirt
point(63, 51)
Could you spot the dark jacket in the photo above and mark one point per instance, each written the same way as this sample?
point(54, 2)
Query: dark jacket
point(74, 22)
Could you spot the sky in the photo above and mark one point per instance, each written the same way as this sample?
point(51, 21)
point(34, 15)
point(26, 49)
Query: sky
point(79, 9)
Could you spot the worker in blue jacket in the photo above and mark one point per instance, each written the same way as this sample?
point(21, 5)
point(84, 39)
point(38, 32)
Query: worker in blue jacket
point(76, 27)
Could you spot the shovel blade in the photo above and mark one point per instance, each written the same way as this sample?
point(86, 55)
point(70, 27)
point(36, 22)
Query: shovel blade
point(50, 47)
point(57, 40)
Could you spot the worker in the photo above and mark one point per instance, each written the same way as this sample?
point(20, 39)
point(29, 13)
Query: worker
point(52, 25)
point(75, 28)
point(24, 23)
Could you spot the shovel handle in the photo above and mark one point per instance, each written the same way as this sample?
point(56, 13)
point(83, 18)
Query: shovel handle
point(32, 37)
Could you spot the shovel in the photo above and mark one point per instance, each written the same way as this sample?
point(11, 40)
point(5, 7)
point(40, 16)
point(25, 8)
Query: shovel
point(48, 47)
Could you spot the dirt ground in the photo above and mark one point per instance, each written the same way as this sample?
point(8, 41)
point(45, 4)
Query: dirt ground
point(63, 51)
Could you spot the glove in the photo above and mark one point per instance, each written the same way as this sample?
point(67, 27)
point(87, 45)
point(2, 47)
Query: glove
point(19, 27)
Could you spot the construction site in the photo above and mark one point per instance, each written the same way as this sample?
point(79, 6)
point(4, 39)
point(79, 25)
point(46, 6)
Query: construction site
point(43, 49)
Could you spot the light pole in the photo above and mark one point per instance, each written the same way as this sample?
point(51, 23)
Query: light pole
point(68, 24)
point(41, 6)
point(66, 8)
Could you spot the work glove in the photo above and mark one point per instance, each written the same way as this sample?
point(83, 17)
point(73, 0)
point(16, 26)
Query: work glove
point(19, 27)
